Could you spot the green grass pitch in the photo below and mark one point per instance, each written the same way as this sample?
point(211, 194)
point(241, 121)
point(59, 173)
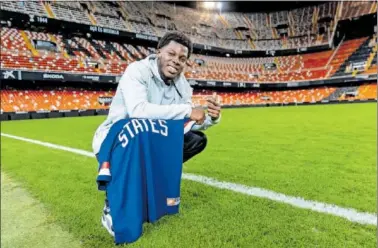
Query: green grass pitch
point(323, 153)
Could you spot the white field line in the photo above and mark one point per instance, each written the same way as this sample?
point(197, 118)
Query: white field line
point(350, 214)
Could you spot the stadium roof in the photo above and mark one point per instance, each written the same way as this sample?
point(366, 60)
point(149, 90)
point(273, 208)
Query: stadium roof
point(254, 6)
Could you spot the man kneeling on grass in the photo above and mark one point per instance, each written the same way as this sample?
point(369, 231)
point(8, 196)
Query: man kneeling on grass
point(155, 91)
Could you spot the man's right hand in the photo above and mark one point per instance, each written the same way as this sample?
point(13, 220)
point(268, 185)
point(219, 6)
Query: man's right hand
point(198, 115)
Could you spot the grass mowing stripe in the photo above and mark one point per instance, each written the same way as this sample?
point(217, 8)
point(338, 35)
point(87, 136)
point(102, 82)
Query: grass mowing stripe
point(350, 214)
point(24, 220)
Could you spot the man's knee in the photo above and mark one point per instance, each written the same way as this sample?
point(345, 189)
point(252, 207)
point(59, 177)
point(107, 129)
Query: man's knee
point(194, 143)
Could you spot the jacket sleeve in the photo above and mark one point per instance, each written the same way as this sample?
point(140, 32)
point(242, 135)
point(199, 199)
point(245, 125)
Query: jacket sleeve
point(134, 91)
point(208, 121)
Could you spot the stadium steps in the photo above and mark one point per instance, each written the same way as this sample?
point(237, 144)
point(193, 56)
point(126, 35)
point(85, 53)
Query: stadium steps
point(142, 51)
point(319, 38)
point(373, 8)
point(92, 7)
point(91, 18)
point(291, 31)
point(124, 18)
point(224, 21)
point(290, 19)
point(238, 34)
point(329, 71)
point(131, 55)
point(28, 43)
point(315, 16)
point(338, 12)
point(276, 61)
point(53, 39)
point(274, 33)
point(339, 92)
point(370, 59)
point(251, 44)
point(254, 34)
point(127, 25)
point(134, 51)
point(284, 43)
point(80, 63)
point(121, 48)
point(98, 47)
point(359, 55)
point(109, 46)
point(335, 52)
point(373, 56)
point(249, 23)
point(49, 11)
point(70, 49)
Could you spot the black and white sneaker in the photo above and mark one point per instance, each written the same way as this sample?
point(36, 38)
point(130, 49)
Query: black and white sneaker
point(106, 220)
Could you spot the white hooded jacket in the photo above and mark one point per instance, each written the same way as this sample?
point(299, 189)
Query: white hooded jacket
point(141, 93)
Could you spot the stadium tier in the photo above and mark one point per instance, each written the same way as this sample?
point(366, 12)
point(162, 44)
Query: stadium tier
point(246, 31)
point(27, 50)
point(80, 99)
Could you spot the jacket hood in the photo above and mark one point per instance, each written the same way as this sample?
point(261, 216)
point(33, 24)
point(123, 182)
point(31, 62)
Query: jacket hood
point(151, 62)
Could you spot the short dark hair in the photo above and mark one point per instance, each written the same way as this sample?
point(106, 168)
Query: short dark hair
point(177, 37)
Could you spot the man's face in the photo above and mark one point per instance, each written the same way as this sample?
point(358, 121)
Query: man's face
point(172, 59)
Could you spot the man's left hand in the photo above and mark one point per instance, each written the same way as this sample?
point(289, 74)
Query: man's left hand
point(213, 107)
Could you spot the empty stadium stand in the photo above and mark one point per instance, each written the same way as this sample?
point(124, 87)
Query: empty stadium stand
point(60, 99)
point(346, 49)
point(359, 56)
point(34, 49)
point(260, 30)
point(20, 50)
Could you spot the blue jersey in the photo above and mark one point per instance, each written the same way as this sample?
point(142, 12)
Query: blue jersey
point(140, 170)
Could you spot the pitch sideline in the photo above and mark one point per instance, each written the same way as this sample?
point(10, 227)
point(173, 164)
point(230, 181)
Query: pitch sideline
point(24, 220)
point(348, 213)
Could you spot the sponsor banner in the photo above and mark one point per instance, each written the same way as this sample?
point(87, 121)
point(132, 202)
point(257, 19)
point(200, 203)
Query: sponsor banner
point(105, 100)
point(9, 74)
point(104, 30)
point(192, 82)
point(91, 78)
point(43, 76)
point(294, 84)
point(54, 76)
point(146, 37)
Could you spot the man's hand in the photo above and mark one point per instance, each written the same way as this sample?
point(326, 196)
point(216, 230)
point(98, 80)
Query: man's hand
point(213, 107)
point(198, 115)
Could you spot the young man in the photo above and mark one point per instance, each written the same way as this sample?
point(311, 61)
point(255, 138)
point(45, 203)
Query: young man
point(156, 88)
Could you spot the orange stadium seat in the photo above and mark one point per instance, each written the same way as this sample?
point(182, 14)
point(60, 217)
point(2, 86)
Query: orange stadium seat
point(42, 100)
point(74, 99)
point(367, 91)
